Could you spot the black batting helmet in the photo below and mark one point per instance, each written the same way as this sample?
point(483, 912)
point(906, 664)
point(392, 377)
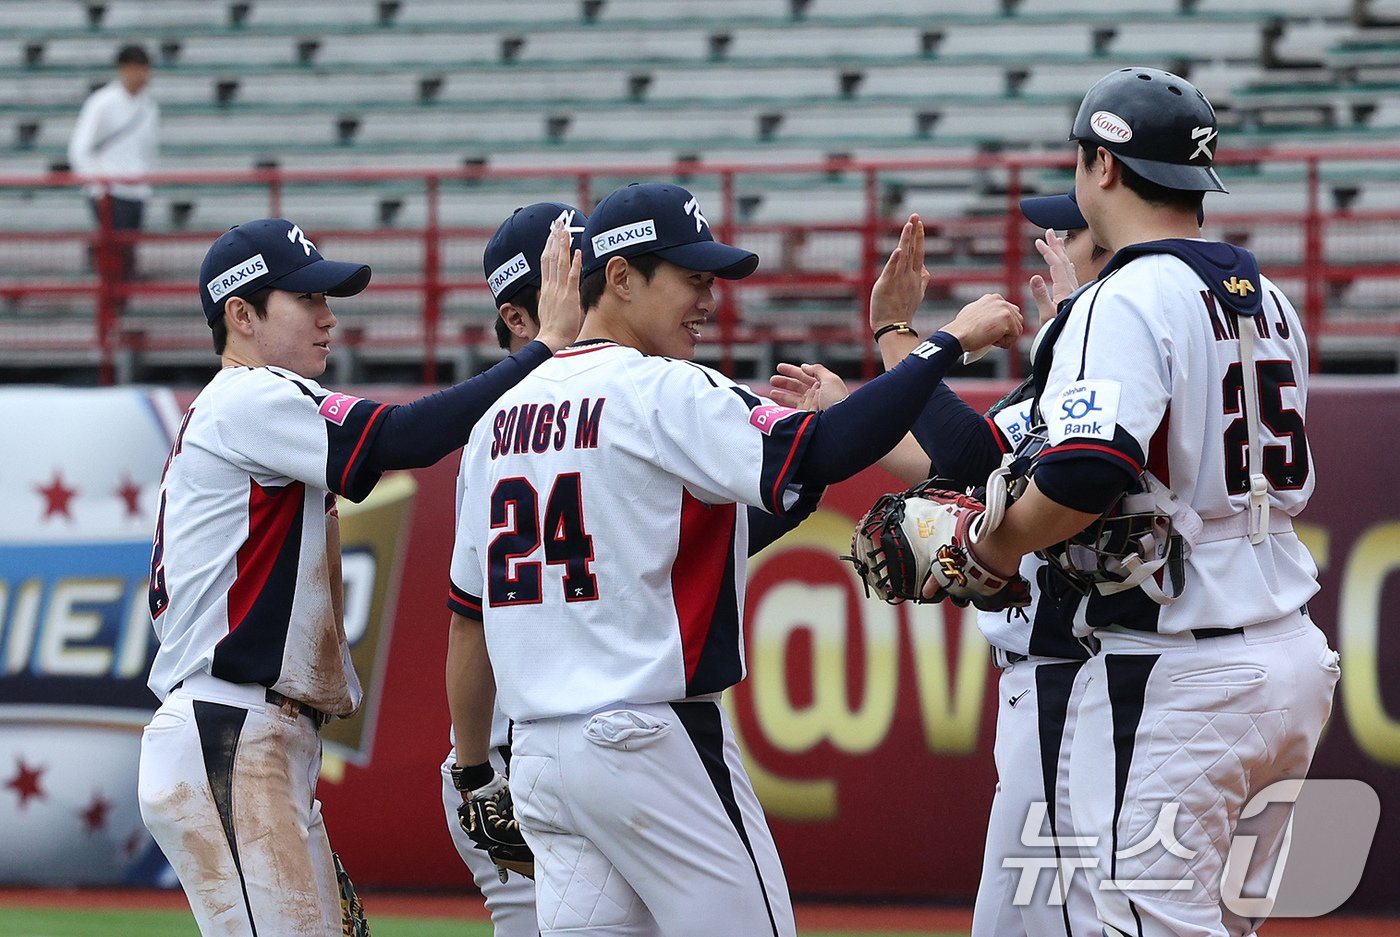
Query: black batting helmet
point(1157, 123)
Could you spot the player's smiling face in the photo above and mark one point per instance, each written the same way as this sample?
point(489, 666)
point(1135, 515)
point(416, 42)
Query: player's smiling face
point(296, 334)
point(669, 313)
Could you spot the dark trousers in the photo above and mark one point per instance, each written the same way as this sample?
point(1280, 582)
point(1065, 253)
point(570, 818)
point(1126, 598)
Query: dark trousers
point(127, 214)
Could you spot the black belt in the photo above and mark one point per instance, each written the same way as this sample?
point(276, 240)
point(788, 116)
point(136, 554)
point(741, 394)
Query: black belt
point(291, 705)
point(1216, 632)
point(1013, 658)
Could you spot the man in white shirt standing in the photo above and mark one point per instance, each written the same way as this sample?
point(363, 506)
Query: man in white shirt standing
point(117, 135)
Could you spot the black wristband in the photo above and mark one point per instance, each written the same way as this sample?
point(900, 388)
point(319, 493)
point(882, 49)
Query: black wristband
point(472, 776)
point(903, 328)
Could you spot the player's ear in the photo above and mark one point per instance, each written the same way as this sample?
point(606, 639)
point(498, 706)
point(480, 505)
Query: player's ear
point(517, 320)
point(618, 276)
point(238, 314)
point(1106, 169)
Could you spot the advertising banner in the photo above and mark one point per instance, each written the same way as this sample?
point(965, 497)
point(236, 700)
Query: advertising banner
point(867, 728)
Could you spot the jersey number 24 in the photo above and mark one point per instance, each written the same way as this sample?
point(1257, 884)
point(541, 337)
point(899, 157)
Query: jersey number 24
point(512, 578)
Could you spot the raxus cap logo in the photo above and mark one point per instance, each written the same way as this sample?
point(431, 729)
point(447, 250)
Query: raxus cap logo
point(636, 233)
point(507, 273)
point(235, 276)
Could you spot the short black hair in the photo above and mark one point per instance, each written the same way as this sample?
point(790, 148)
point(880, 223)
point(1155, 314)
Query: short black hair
point(220, 327)
point(591, 289)
point(1150, 192)
point(528, 299)
point(133, 55)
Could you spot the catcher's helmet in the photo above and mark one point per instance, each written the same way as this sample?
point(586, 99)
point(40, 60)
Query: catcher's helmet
point(1157, 123)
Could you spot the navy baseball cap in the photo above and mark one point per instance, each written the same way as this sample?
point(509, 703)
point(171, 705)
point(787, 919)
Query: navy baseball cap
point(661, 219)
point(271, 252)
point(511, 260)
point(1060, 212)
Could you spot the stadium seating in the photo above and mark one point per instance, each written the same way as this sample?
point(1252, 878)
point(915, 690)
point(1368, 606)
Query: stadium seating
point(437, 84)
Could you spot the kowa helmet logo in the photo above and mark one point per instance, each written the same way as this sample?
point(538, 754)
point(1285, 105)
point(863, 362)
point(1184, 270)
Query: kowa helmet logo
point(1111, 127)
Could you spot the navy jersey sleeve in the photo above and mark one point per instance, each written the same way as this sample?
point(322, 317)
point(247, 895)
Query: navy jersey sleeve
point(961, 444)
point(420, 433)
point(855, 433)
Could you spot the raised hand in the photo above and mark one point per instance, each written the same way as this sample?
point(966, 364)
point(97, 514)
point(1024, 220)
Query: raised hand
point(900, 288)
point(561, 313)
point(806, 387)
point(1063, 280)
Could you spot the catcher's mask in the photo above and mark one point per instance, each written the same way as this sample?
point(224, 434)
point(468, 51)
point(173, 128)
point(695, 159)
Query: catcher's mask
point(1127, 546)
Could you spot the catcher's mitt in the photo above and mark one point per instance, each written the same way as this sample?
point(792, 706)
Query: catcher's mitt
point(352, 913)
point(488, 816)
point(927, 533)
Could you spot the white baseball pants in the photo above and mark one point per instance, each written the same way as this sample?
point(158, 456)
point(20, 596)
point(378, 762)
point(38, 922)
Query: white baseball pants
point(227, 786)
point(1175, 735)
point(511, 903)
point(1031, 879)
point(644, 823)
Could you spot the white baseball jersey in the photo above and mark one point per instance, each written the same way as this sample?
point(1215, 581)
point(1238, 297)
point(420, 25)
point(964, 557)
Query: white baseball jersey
point(599, 532)
point(1147, 371)
point(500, 725)
point(240, 572)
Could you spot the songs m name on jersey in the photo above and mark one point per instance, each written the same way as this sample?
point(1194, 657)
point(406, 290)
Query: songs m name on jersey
point(544, 427)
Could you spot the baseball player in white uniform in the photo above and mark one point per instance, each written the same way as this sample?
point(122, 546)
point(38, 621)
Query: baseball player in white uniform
point(1037, 653)
point(600, 540)
point(1177, 381)
point(515, 282)
point(1020, 892)
point(511, 263)
point(245, 586)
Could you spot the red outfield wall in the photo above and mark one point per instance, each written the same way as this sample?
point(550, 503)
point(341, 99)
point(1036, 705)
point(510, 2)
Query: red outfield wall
point(869, 728)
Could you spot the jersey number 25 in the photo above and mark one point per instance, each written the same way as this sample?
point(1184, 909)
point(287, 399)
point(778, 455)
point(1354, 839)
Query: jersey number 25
point(1285, 466)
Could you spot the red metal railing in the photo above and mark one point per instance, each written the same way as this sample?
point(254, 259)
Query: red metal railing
point(112, 302)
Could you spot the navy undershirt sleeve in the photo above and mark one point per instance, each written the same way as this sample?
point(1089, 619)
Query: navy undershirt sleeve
point(765, 528)
point(958, 440)
point(855, 433)
point(418, 434)
point(1085, 484)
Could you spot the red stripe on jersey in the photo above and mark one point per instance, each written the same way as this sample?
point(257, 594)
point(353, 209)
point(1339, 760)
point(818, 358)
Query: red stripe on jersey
point(1081, 447)
point(702, 554)
point(463, 603)
point(571, 352)
point(996, 435)
point(364, 434)
point(776, 501)
point(272, 512)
